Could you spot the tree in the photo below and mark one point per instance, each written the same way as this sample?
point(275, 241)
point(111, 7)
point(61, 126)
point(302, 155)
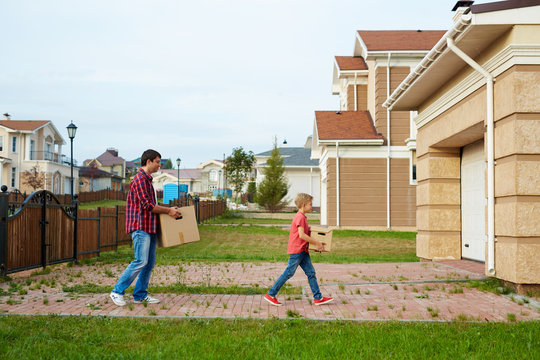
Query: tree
point(274, 187)
point(168, 164)
point(238, 168)
point(34, 178)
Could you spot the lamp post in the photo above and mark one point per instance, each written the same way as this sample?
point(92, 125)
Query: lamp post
point(72, 130)
point(178, 165)
point(219, 183)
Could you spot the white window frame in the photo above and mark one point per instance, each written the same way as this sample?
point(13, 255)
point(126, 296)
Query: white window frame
point(13, 176)
point(14, 144)
point(1, 142)
point(412, 168)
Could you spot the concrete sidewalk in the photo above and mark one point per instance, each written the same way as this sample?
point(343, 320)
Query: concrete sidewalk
point(384, 291)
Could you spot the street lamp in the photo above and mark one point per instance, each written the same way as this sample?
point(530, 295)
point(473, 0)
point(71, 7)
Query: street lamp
point(219, 183)
point(178, 165)
point(72, 130)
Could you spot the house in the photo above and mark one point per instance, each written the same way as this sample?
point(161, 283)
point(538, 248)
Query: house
point(31, 153)
point(94, 179)
point(476, 94)
point(366, 154)
point(110, 162)
point(212, 175)
point(189, 177)
point(301, 172)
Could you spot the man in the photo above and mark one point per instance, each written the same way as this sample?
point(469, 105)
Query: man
point(141, 222)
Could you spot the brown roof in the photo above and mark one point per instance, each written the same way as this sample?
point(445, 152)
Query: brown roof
point(23, 125)
point(503, 5)
point(345, 125)
point(400, 39)
point(351, 63)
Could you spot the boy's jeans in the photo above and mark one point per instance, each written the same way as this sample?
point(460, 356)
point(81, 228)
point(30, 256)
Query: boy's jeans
point(144, 246)
point(304, 260)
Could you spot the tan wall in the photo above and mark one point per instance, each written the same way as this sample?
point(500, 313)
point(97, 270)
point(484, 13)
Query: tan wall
point(438, 201)
point(399, 120)
point(402, 195)
point(363, 193)
point(517, 183)
point(361, 97)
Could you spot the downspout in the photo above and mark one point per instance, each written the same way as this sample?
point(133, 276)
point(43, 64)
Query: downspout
point(355, 92)
point(388, 144)
point(337, 183)
point(490, 152)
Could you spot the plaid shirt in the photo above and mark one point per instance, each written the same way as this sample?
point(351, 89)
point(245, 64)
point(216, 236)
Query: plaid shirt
point(141, 199)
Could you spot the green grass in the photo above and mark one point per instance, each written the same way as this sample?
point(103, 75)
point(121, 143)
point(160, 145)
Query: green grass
point(102, 203)
point(90, 288)
point(269, 244)
point(105, 337)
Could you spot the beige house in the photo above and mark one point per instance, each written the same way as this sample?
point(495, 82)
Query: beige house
point(366, 154)
point(189, 177)
point(212, 175)
point(33, 149)
point(477, 94)
point(110, 162)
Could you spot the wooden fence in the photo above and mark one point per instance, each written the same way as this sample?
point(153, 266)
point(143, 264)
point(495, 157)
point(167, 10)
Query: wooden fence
point(43, 230)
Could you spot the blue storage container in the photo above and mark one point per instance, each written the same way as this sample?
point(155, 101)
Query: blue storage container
point(227, 192)
point(170, 192)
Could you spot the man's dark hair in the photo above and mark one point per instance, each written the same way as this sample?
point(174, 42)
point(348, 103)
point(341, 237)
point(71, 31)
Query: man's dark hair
point(149, 155)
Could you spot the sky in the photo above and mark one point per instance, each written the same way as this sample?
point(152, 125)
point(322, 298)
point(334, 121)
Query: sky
point(190, 79)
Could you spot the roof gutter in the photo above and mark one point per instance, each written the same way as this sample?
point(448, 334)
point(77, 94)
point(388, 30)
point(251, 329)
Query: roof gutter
point(459, 27)
point(352, 141)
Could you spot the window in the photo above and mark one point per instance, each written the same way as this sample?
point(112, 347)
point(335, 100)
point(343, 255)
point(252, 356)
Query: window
point(48, 151)
point(32, 150)
point(13, 176)
point(1, 143)
point(14, 144)
point(213, 175)
point(412, 168)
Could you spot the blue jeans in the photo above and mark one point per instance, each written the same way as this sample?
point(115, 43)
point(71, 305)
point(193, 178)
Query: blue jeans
point(304, 261)
point(144, 246)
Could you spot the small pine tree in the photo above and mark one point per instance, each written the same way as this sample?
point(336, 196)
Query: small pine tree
point(274, 187)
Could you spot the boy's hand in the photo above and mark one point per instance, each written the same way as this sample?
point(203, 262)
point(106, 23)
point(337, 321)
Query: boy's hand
point(320, 246)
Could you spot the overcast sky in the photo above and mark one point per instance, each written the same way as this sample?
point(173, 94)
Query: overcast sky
point(191, 79)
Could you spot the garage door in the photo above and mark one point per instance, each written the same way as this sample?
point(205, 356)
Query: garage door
point(473, 201)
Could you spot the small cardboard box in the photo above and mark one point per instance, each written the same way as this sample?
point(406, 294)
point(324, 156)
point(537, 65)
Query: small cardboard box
point(174, 232)
point(324, 234)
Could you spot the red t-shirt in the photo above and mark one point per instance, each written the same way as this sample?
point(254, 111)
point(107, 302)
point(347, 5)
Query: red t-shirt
point(297, 245)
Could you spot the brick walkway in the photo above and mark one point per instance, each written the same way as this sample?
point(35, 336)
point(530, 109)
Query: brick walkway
point(401, 291)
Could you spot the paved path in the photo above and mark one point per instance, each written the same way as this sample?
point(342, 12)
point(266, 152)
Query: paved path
point(400, 291)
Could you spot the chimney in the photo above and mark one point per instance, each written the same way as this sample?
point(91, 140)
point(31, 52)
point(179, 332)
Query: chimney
point(7, 116)
point(113, 151)
point(461, 7)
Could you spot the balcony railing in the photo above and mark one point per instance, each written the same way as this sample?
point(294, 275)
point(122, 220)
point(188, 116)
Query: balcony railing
point(51, 156)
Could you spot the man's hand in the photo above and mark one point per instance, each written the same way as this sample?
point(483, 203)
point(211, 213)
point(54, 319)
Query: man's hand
point(174, 212)
point(320, 246)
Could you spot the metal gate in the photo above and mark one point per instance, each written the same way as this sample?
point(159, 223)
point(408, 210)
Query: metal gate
point(37, 232)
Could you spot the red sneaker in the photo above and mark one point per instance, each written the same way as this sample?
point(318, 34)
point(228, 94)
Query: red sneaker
point(324, 300)
point(272, 300)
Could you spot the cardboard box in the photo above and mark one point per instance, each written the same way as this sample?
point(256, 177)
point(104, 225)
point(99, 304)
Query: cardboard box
point(174, 232)
point(324, 234)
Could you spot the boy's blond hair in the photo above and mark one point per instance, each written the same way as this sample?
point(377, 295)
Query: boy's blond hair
point(302, 199)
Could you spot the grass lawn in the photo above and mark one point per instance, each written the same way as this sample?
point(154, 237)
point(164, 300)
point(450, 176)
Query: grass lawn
point(269, 244)
point(97, 338)
point(102, 203)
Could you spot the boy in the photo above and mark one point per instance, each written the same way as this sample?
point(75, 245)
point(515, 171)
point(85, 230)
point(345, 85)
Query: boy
point(298, 250)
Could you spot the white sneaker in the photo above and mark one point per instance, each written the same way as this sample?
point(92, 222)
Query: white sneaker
point(117, 299)
point(148, 299)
